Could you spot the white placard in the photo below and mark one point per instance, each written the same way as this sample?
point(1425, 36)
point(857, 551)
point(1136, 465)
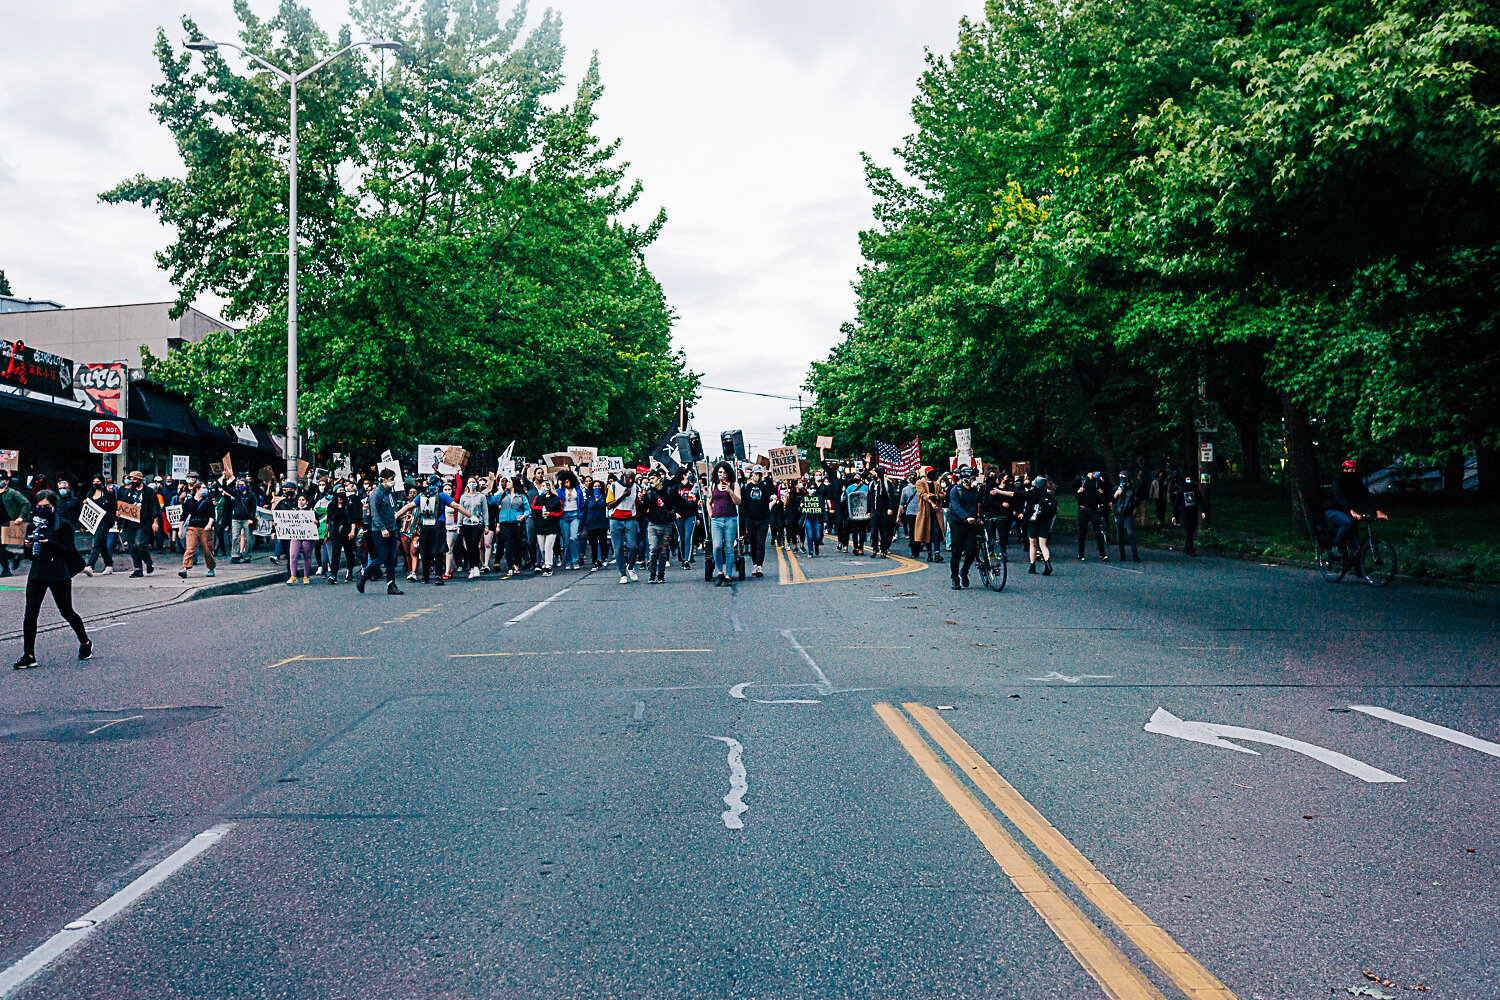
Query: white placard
point(965, 440)
point(613, 463)
point(262, 522)
point(89, 516)
point(430, 460)
point(296, 525)
point(179, 467)
point(397, 485)
point(174, 516)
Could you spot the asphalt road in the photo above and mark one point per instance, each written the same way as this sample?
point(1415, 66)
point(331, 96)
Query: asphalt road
point(682, 791)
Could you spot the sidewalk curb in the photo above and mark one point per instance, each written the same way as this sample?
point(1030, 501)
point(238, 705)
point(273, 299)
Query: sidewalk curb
point(225, 589)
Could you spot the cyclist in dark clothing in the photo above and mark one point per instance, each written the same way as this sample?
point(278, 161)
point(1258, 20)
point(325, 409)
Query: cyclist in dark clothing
point(1341, 506)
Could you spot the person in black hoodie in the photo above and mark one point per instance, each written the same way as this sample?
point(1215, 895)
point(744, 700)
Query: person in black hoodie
point(102, 496)
point(661, 502)
point(54, 563)
point(756, 499)
point(1092, 507)
point(137, 534)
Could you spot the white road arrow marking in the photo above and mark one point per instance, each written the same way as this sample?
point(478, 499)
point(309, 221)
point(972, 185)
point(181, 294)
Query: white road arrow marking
point(1167, 724)
point(1431, 729)
point(738, 691)
point(1072, 679)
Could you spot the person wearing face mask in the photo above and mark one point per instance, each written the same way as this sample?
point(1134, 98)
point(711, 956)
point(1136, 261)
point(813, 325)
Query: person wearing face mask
point(432, 509)
point(68, 503)
point(198, 530)
point(343, 531)
point(242, 503)
point(137, 534)
point(102, 496)
point(723, 512)
point(624, 531)
point(546, 511)
point(384, 534)
point(595, 523)
point(54, 563)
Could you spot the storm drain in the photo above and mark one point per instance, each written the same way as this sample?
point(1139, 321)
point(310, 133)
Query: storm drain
point(96, 727)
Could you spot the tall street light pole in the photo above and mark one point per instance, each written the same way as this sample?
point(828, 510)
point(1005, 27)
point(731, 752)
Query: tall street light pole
point(293, 438)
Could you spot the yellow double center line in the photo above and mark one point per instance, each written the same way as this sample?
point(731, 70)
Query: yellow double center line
point(1099, 956)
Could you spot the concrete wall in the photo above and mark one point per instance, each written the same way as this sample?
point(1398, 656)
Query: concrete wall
point(107, 333)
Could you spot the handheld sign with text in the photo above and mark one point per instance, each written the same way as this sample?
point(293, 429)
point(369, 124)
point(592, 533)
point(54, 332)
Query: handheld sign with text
point(89, 516)
point(784, 464)
point(12, 534)
point(179, 467)
point(174, 516)
point(825, 441)
point(262, 522)
point(128, 511)
point(296, 525)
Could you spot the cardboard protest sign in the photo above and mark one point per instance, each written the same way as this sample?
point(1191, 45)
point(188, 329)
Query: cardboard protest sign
point(556, 458)
point(217, 468)
point(13, 534)
point(442, 459)
point(784, 464)
point(266, 475)
point(262, 522)
point(296, 525)
point(455, 458)
point(174, 516)
point(302, 468)
point(1020, 468)
point(227, 464)
point(581, 455)
point(762, 461)
point(825, 441)
point(89, 516)
point(128, 511)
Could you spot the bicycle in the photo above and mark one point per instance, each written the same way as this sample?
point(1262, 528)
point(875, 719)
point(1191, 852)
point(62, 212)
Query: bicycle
point(992, 572)
point(1374, 559)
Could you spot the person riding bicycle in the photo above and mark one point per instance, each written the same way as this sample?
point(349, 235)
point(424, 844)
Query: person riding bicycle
point(963, 524)
point(1341, 506)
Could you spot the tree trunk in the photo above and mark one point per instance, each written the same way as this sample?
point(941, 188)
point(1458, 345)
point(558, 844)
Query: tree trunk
point(1302, 464)
point(1453, 472)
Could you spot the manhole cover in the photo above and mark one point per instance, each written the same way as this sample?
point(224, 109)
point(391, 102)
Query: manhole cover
point(94, 727)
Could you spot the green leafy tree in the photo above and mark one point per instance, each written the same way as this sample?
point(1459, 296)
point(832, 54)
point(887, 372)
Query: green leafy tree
point(465, 270)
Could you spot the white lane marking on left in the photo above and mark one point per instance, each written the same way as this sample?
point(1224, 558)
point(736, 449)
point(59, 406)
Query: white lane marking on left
point(738, 785)
point(76, 931)
point(1430, 728)
point(824, 684)
point(640, 710)
point(1167, 724)
point(1053, 675)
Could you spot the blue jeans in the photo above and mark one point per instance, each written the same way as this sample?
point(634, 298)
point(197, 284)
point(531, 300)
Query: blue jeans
point(1342, 525)
point(686, 527)
point(814, 526)
point(570, 526)
point(725, 531)
point(623, 534)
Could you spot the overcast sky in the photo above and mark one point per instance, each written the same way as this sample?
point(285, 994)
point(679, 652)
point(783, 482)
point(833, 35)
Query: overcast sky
point(744, 118)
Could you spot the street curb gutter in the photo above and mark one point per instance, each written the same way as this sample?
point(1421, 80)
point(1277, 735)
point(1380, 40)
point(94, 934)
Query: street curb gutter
point(225, 589)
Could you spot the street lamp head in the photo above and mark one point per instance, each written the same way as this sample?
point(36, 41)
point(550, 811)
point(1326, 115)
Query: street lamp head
point(202, 45)
point(386, 43)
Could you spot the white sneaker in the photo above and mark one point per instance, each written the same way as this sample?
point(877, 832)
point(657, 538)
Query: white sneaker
point(474, 573)
point(633, 577)
point(108, 570)
point(411, 576)
point(625, 579)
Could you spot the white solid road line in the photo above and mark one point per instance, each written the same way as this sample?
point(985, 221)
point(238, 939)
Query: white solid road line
point(735, 800)
point(536, 607)
point(825, 686)
point(1167, 724)
point(77, 931)
point(1431, 729)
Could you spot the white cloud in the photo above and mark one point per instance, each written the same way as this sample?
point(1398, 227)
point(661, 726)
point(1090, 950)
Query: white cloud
point(744, 118)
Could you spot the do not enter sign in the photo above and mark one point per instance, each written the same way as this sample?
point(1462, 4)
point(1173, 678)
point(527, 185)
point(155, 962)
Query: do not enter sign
point(106, 437)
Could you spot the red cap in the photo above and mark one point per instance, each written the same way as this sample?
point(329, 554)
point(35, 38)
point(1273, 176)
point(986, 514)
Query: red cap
point(1349, 465)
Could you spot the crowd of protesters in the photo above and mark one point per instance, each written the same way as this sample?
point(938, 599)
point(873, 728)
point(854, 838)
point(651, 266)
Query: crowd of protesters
point(547, 520)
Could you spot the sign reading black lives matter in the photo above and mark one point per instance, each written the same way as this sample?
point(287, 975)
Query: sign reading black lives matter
point(784, 465)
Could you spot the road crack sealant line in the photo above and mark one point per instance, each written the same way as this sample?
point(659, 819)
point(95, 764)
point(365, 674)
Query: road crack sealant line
point(542, 604)
point(76, 932)
point(738, 785)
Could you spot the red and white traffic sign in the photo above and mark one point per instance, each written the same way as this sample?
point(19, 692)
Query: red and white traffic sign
point(106, 437)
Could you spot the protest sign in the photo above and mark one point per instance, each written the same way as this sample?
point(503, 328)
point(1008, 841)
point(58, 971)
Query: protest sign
point(784, 464)
point(442, 459)
point(395, 467)
point(1020, 469)
point(10, 459)
point(557, 458)
point(216, 468)
point(581, 455)
point(825, 441)
point(174, 516)
point(12, 534)
point(128, 511)
point(600, 474)
point(302, 468)
point(614, 463)
point(859, 505)
point(296, 525)
point(455, 458)
point(266, 474)
point(262, 522)
point(179, 467)
point(227, 464)
point(320, 474)
point(342, 466)
point(89, 516)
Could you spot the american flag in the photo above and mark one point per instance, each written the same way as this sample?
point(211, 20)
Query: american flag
point(900, 461)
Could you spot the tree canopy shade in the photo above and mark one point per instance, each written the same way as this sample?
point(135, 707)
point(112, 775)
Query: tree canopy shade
point(464, 270)
point(1105, 205)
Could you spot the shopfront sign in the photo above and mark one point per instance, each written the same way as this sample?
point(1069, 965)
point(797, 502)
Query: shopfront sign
point(35, 371)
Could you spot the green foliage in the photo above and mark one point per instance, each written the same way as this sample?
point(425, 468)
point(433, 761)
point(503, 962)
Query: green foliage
point(5, 285)
point(1102, 205)
point(464, 272)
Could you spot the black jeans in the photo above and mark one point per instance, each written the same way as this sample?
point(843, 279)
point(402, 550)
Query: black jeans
point(755, 531)
point(432, 545)
point(1125, 525)
point(140, 545)
point(963, 546)
point(339, 541)
point(1091, 521)
point(471, 539)
point(599, 545)
point(62, 596)
point(882, 530)
point(513, 541)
